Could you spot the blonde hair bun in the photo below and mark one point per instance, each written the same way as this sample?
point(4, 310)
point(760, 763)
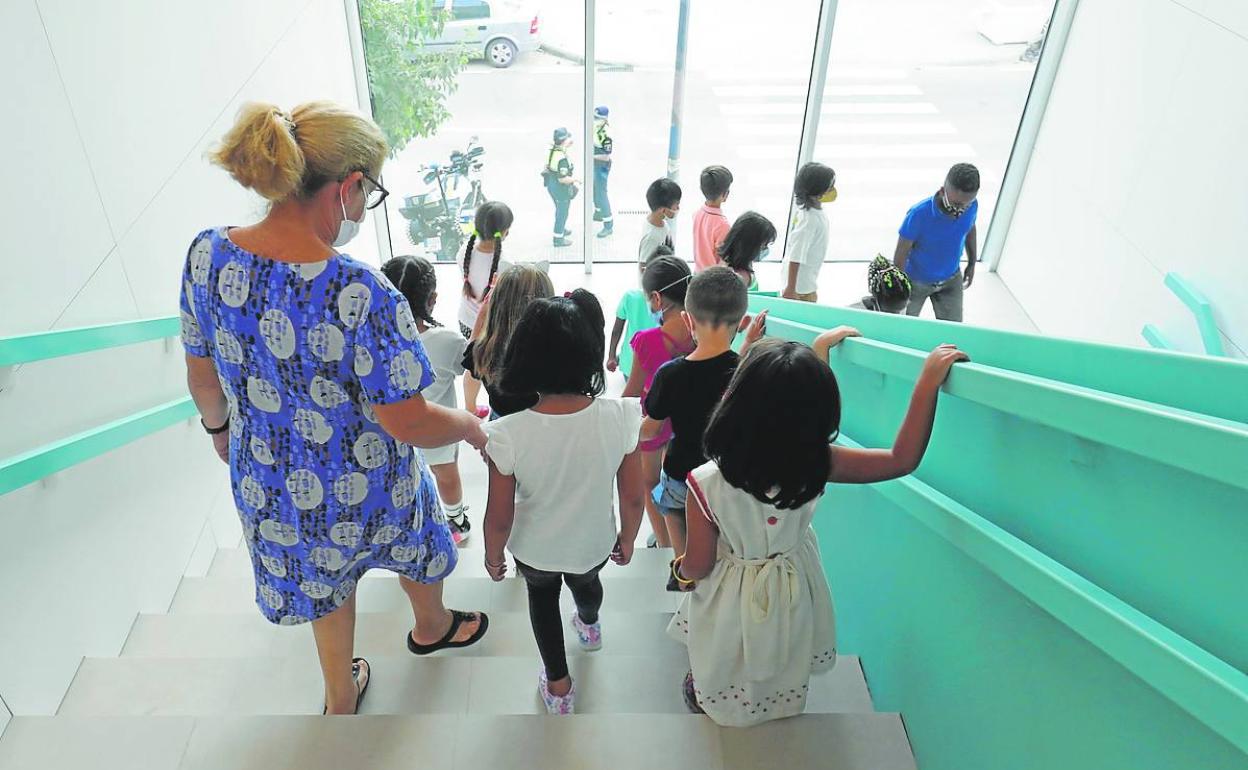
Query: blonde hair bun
point(282, 155)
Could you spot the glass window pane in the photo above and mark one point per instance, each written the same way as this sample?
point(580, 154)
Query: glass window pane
point(471, 109)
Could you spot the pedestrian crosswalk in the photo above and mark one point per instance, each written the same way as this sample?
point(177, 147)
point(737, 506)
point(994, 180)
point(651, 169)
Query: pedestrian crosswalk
point(887, 140)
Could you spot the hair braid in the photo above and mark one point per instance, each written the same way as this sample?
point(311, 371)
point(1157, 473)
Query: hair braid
point(498, 256)
point(472, 244)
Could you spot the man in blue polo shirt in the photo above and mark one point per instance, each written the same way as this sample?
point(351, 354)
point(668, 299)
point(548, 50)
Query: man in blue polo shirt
point(931, 241)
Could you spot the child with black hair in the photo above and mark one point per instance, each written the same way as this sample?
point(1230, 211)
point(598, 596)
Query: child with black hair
point(808, 232)
point(760, 620)
point(665, 281)
point(552, 471)
point(663, 198)
point(415, 278)
point(710, 226)
point(889, 287)
point(686, 389)
point(483, 260)
point(748, 241)
point(633, 313)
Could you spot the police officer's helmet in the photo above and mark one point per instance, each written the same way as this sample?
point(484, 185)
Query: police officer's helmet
point(562, 135)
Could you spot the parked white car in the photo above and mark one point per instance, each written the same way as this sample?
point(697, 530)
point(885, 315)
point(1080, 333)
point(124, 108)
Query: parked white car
point(494, 30)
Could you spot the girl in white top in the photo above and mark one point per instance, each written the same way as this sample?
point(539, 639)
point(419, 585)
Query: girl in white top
point(760, 618)
point(483, 260)
point(416, 279)
point(808, 233)
point(552, 472)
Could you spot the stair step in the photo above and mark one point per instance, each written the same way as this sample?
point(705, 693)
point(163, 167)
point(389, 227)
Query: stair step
point(619, 684)
point(249, 634)
point(236, 562)
point(455, 742)
point(379, 591)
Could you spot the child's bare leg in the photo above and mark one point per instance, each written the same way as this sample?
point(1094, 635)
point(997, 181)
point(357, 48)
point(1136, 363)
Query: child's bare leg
point(651, 462)
point(450, 488)
point(472, 390)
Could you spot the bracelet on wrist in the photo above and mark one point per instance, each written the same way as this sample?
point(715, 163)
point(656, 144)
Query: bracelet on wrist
point(215, 431)
point(676, 572)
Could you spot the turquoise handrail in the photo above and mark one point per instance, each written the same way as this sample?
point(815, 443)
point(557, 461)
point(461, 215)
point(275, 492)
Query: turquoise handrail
point(1200, 306)
point(43, 345)
point(28, 467)
point(1205, 686)
point(1213, 448)
point(1156, 338)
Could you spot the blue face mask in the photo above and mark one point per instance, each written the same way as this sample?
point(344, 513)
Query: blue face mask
point(657, 315)
point(766, 252)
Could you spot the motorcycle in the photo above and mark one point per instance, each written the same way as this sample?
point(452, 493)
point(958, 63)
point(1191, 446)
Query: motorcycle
point(440, 218)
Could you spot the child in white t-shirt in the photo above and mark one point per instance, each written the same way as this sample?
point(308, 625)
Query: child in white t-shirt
point(808, 233)
point(663, 198)
point(552, 472)
point(415, 278)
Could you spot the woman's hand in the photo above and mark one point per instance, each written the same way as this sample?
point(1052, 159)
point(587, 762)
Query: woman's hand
point(939, 362)
point(221, 443)
point(476, 435)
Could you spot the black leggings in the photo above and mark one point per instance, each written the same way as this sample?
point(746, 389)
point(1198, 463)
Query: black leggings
point(544, 588)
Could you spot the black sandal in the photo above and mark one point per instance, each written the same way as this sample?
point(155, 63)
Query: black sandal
point(357, 665)
point(457, 619)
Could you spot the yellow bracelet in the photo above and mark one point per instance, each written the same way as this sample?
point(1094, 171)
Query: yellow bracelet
point(676, 571)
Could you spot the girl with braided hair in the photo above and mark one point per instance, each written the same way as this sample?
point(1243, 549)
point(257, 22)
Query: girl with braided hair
point(889, 287)
point(483, 261)
point(417, 281)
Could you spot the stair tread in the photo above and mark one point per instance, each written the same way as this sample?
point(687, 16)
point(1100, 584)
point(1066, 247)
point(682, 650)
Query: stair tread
point(620, 684)
point(650, 741)
point(378, 591)
point(249, 634)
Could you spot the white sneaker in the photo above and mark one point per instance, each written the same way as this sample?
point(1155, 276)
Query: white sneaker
point(557, 705)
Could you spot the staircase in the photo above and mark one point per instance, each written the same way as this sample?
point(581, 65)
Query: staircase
point(212, 684)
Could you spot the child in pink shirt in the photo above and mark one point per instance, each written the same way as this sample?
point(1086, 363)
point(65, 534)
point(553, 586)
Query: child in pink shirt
point(709, 224)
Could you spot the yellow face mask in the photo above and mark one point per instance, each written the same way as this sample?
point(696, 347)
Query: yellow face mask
point(829, 196)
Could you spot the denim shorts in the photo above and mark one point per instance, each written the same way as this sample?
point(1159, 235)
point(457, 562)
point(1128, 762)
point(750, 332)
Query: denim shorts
point(669, 495)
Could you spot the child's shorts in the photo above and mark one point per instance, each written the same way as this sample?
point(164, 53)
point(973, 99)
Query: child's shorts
point(442, 455)
point(669, 496)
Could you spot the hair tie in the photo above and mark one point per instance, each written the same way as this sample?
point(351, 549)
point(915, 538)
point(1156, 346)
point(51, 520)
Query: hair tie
point(287, 119)
point(498, 234)
point(567, 295)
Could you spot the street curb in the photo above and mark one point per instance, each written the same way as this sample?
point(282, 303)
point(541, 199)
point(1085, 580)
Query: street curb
point(601, 64)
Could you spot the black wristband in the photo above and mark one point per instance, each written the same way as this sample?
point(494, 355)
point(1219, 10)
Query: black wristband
point(215, 431)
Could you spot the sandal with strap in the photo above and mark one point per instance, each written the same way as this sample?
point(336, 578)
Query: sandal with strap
point(358, 665)
point(457, 619)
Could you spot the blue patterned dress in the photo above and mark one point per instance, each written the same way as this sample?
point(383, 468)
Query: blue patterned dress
point(303, 352)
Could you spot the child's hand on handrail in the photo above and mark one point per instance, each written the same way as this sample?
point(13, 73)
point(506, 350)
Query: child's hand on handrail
point(831, 338)
point(939, 362)
point(754, 329)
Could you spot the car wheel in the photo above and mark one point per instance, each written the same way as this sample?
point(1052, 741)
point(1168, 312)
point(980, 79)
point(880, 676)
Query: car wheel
point(500, 52)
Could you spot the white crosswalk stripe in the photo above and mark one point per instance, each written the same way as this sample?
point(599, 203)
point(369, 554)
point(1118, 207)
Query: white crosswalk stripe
point(888, 143)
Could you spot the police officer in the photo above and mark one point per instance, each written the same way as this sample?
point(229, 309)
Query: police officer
point(603, 145)
point(557, 176)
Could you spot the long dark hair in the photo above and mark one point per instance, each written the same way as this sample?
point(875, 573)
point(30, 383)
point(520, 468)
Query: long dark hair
point(557, 347)
point(745, 241)
point(493, 219)
point(776, 448)
point(416, 280)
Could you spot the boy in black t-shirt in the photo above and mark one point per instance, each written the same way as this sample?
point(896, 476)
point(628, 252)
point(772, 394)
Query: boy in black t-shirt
point(687, 389)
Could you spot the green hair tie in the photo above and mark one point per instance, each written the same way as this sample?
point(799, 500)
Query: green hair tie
point(498, 234)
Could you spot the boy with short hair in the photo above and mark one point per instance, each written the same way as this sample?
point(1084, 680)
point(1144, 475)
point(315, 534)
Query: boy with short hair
point(709, 224)
point(687, 389)
point(663, 198)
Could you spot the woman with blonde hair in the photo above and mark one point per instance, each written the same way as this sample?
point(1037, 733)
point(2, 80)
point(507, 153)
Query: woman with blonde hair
point(307, 370)
point(516, 288)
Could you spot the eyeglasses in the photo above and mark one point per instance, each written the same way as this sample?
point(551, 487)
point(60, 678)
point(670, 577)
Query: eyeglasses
point(375, 197)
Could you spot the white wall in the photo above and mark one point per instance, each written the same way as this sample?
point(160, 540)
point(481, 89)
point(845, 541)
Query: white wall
point(109, 109)
point(1139, 170)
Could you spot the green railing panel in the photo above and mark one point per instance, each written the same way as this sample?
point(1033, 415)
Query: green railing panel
point(37, 347)
point(1155, 338)
point(1207, 687)
point(23, 469)
point(1196, 383)
point(1201, 308)
point(1218, 450)
point(958, 632)
point(1137, 497)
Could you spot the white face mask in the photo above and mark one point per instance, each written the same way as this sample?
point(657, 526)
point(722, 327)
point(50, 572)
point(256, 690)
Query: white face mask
point(349, 227)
